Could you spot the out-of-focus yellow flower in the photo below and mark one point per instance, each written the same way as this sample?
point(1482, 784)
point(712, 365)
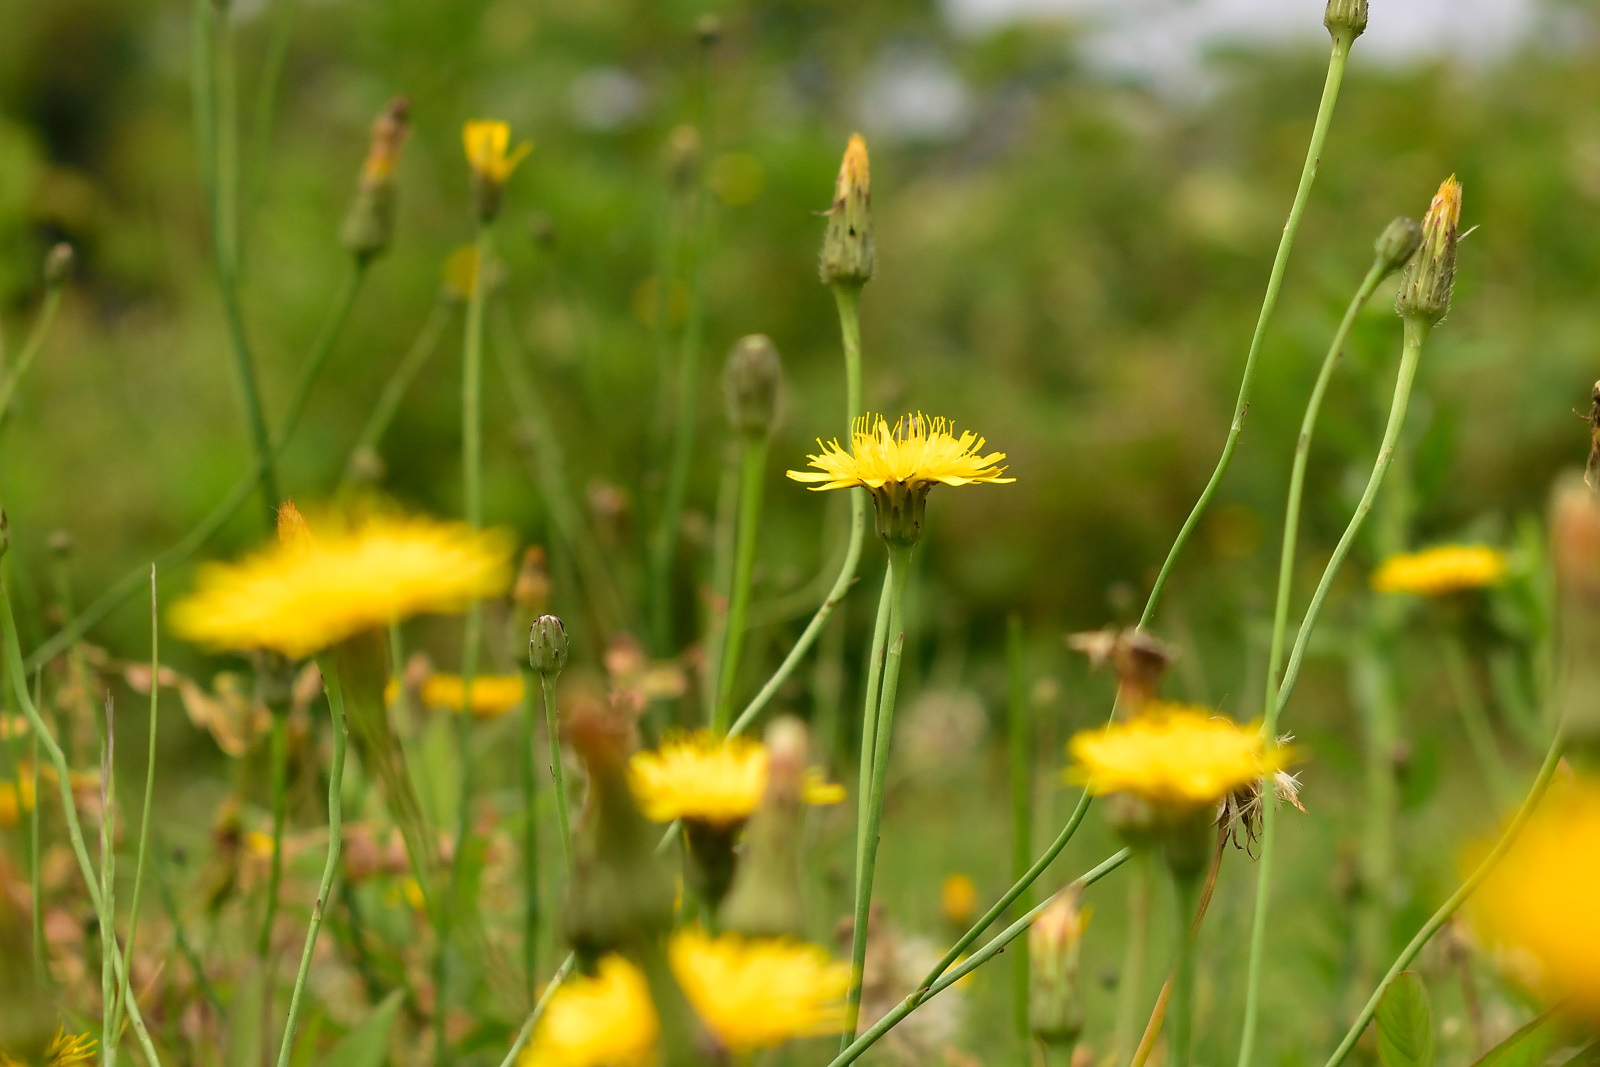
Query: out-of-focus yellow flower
point(411, 889)
point(1440, 570)
point(1540, 908)
point(16, 799)
point(1173, 755)
point(758, 992)
point(604, 1021)
point(64, 1050)
point(461, 273)
point(489, 152)
point(310, 591)
point(915, 453)
point(715, 781)
point(258, 844)
point(958, 899)
point(492, 695)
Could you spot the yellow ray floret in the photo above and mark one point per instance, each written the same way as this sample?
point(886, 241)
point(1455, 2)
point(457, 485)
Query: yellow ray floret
point(487, 142)
point(1172, 755)
point(916, 452)
point(759, 992)
point(1540, 909)
point(308, 592)
point(1440, 570)
point(492, 695)
point(710, 780)
point(65, 1050)
point(607, 1020)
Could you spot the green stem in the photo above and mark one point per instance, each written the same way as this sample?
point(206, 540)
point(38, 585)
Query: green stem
point(266, 100)
point(867, 846)
point(1541, 782)
point(1308, 175)
point(538, 1010)
point(848, 299)
point(752, 466)
point(330, 868)
point(108, 890)
point(1372, 682)
point(18, 675)
point(1474, 717)
point(1020, 742)
point(937, 982)
point(279, 756)
point(558, 777)
point(1182, 1009)
point(394, 390)
point(31, 347)
point(869, 718)
point(1135, 954)
point(1280, 624)
point(530, 838)
point(35, 876)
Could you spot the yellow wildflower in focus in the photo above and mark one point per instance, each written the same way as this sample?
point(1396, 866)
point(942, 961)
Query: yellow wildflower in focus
point(1173, 755)
point(16, 799)
point(915, 453)
point(492, 695)
point(1538, 908)
point(1440, 570)
point(315, 589)
point(754, 993)
point(958, 899)
point(717, 782)
point(487, 142)
point(604, 1021)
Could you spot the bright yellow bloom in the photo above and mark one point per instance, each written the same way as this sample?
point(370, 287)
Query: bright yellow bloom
point(1440, 570)
point(486, 142)
point(492, 695)
point(1172, 755)
point(700, 777)
point(308, 592)
point(759, 992)
point(604, 1021)
point(915, 453)
point(16, 798)
point(1539, 908)
point(65, 1050)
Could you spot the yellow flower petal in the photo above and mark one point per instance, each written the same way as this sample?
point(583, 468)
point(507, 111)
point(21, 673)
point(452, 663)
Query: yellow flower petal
point(721, 782)
point(916, 452)
point(1172, 755)
point(759, 992)
point(492, 694)
point(1440, 570)
point(607, 1020)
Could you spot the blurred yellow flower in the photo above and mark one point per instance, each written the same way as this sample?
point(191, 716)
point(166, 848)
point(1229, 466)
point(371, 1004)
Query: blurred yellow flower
point(16, 799)
point(1440, 570)
point(492, 694)
point(759, 992)
point(915, 453)
point(958, 898)
point(1173, 755)
point(607, 1020)
point(715, 781)
point(64, 1050)
point(258, 844)
point(1540, 908)
point(308, 592)
point(486, 142)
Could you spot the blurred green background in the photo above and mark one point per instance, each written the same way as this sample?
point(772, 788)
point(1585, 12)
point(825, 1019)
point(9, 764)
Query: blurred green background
point(1073, 273)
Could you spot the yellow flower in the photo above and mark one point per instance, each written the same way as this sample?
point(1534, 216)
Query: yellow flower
point(1441, 569)
point(492, 695)
point(1173, 755)
point(704, 779)
point(486, 142)
point(759, 992)
point(65, 1050)
point(308, 592)
point(258, 844)
point(915, 453)
point(604, 1021)
point(958, 898)
point(16, 798)
point(1538, 908)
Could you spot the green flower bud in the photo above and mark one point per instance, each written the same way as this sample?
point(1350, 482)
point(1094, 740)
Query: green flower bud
point(58, 264)
point(750, 381)
point(684, 156)
point(547, 646)
point(1397, 244)
point(369, 224)
point(847, 253)
point(1346, 16)
point(1428, 279)
point(1055, 1003)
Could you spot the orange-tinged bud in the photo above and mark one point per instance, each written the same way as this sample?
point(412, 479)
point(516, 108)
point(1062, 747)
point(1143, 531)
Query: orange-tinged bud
point(1055, 1004)
point(847, 251)
point(292, 526)
point(1426, 285)
point(369, 224)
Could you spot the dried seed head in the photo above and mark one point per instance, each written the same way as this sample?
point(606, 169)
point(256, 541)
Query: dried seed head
point(58, 264)
point(1397, 244)
point(1345, 16)
point(847, 252)
point(369, 223)
point(547, 646)
point(750, 381)
point(1140, 659)
point(1428, 279)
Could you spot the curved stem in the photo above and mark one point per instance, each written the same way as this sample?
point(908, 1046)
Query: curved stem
point(330, 867)
point(558, 777)
point(1541, 782)
point(538, 1010)
point(1308, 175)
point(752, 465)
point(394, 390)
point(31, 347)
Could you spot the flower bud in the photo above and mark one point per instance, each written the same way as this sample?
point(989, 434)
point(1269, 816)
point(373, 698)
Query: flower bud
point(750, 381)
point(1397, 244)
point(847, 253)
point(1426, 284)
point(547, 646)
point(1575, 559)
point(708, 30)
point(58, 264)
point(369, 224)
point(1055, 1003)
point(684, 155)
point(1345, 16)
point(766, 898)
point(492, 159)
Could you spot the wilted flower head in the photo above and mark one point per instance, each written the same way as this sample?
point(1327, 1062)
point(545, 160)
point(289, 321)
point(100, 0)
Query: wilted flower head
point(1440, 570)
point(604, 1020)
point(755, 993)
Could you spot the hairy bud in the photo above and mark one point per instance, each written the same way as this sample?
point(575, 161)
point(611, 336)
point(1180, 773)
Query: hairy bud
point(1345, 16)
point(547, 646)
point(750, 380)
point(847, 253)
point(1426, 285)
point(1055, 1003)
point(1397, 244)
point(369, 224)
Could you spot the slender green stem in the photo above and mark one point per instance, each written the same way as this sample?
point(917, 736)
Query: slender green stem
point(530, 836)
point(938, 981)
point(266, 99)
point(752, 467)
point(724, 531)
point(1372, 685)
point(1474, 716)
point(108, 890)
point(867, 847)
point(330, 868)
point(1020, 743)
point(538, 1010)
point(18, 675)
point(31, 347)
point(394, 390)
point(279, 757)
point(181, 551)
point(1135, 956)
point(1187, 895)
point(558, 777)
point(35, 869)
point(848, 299)
point(869, 718)
point(1541, 782)
point(1280, 624)
point(1342, 41)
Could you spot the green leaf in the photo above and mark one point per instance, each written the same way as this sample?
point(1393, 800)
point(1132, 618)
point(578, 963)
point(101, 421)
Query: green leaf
point(1530, 1046)
point(368, 1044)
point(1405, 1023)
